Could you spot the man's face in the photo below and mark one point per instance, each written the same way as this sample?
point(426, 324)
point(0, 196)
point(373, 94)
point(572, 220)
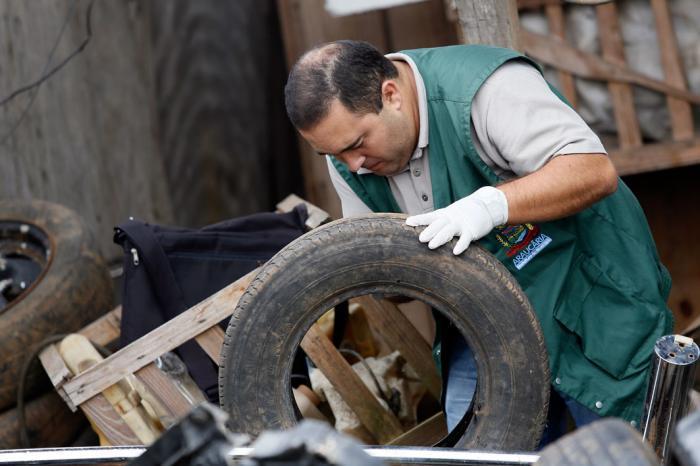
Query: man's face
point(382, 143)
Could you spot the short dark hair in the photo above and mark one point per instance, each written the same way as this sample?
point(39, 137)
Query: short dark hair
point(351, 71)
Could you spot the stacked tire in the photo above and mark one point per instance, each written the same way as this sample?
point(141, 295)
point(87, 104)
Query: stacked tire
point(72, 289)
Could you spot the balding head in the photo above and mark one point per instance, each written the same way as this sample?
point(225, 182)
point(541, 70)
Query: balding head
point(349, 71)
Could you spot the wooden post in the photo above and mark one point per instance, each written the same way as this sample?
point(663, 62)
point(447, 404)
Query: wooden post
point(492, 22)
point(621, 94)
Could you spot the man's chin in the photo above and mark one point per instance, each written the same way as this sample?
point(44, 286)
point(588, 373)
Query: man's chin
point(386, 171)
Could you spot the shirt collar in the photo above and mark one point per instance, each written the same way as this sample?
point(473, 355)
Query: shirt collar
point(422, 109)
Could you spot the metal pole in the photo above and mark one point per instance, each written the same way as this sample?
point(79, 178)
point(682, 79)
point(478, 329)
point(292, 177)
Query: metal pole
point(405, 455)
point(672, 374)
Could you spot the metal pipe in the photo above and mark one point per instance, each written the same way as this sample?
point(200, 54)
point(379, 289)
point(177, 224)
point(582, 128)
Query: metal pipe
point(672, 374)
point(405, 455)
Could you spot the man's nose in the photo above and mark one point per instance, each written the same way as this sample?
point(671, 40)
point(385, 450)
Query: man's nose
point(355, 162)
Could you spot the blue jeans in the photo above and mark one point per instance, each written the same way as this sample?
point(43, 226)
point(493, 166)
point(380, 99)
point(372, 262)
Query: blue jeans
point(461, 384)
point(461, 381)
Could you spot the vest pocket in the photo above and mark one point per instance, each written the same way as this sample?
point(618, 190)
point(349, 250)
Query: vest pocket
point(616, 319)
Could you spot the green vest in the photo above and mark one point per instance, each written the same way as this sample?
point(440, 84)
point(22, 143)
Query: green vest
point(594, 279)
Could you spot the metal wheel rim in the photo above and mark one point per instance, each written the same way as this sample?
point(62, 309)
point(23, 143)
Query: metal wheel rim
point(25, 255)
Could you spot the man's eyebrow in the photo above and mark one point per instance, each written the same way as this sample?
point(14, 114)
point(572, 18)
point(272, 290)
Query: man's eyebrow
point(354, 143)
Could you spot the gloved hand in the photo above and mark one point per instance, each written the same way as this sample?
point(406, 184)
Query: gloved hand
point(470, 218)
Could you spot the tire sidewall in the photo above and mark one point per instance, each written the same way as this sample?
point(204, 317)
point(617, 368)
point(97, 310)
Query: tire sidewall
point(380, 254)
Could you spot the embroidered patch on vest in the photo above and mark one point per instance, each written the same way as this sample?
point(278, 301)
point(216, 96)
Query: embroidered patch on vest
point(523, 242)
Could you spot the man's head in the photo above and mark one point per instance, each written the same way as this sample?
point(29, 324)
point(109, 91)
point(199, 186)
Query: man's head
point(348, 100)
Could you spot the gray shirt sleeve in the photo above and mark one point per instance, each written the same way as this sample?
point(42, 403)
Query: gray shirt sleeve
point(350, 203)
point(520, 124)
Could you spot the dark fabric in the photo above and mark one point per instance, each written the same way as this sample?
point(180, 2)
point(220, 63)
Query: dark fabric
point(177, 268)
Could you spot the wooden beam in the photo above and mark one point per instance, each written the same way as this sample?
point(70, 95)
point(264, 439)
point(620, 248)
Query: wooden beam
point(427, 433)
point(652, 157)
point(398, 332)
point(106, 329)
point(58, 372)
point(557, 27)
point(491, 22)
point(554, 52)
point(612, 47)
point(165, 391)
point(167, 337)
point(377, 419)
point(536, 4)
point(108, 422)
point(679, 110)
point(211, 341)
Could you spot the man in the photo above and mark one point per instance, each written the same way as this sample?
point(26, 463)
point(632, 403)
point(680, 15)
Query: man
point(473, 144)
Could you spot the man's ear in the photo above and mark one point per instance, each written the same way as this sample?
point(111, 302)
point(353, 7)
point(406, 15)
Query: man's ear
point(391, 95)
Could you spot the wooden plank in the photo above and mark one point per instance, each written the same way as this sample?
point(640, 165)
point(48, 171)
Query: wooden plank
point(58, 372)
point(491, 22)
point(167, 337)
point(103, 416)
point(211, 341)
point(106, 329)
point(54, 366)
point(316, 215)
point(679, 110)
point(554, 52)
point(401, 335)
point(651, 157)
point(536, 4)
point(427, 433)
point(164, 390)
point(378, 420)
point(555, 19)
point(621, 94)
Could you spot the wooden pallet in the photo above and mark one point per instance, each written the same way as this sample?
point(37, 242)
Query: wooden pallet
point(632, 155)
point(85, 390)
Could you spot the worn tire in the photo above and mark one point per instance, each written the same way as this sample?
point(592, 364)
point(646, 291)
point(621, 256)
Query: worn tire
point(49, 424)
point(380, 254)
point(73, 290)
point(608, 442)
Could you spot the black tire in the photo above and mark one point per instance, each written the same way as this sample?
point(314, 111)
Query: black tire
point(73, 289)
point(608, 442)
point(380, 254)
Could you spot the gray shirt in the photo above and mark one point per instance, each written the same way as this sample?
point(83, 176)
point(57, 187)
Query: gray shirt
point(518, 125)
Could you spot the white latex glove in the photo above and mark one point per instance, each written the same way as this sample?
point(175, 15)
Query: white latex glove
point(470, 218)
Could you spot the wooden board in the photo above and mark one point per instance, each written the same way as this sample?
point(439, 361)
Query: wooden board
point(557, 26)
point(653, 157)
point(427, 433)
point(108, 421)
point(394, 328)
point(211, 341)
point(106, 329)
point(628, 131)
point(164, 390)
point(679, 110)
point(491, 22)
point(554, 52)
point(165, 338)
point(378, 420)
